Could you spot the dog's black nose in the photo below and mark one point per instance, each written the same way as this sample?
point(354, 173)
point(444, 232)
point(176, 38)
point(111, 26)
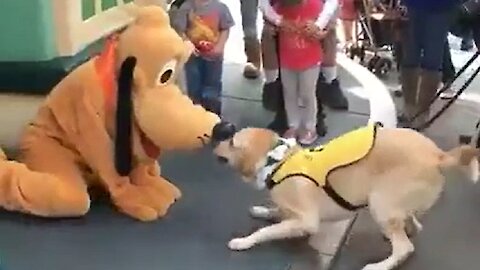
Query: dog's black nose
point(223, 131)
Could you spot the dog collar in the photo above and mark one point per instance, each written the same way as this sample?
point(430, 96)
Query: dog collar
point(105, 68)
point(273, 159)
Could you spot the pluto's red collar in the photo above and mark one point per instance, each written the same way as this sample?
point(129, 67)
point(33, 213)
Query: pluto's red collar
point(105, 68)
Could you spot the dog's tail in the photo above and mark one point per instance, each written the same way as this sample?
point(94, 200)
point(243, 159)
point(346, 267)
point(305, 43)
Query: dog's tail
point(464, 157)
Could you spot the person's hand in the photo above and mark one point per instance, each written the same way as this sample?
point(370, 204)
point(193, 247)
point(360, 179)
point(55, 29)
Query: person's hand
point(319, 34)
point(269, 29)
point(310, 27)
point(288, 26)
point(216, 51)
point(313, 31)
point(192, 47)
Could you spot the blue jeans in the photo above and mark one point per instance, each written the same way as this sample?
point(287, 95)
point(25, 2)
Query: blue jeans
point(204, 78)
point(425, 37)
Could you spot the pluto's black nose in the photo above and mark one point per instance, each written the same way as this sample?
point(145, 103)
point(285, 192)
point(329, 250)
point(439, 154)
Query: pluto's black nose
point(223, 131)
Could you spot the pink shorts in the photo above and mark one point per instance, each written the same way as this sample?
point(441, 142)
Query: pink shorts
point(347, 10)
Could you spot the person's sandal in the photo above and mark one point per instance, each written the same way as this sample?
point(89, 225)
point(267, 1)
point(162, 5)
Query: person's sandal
point(308, 137)
point(291, 133)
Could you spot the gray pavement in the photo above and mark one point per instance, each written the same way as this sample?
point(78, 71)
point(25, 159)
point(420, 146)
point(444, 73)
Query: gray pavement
point(215, 205)
point(451, 236)
point(194, 235)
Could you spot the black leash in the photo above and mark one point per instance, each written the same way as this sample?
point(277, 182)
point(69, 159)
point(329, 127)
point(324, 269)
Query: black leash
point(445, 88)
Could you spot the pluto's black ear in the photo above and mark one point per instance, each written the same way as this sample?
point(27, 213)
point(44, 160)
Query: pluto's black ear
point(124, 118)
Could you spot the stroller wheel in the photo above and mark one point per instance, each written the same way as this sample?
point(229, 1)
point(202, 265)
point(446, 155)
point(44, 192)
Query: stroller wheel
point(382, 67)
point(362, 50)
point(372, 63)
point(349, 51)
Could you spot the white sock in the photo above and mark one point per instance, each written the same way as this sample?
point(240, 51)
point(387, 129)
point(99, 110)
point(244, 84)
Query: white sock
point(329, 73)
point(270, 75)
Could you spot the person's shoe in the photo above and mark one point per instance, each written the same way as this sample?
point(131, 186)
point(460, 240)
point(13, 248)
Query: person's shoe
point(447, 94)
point(332, 95)
point(253, 53)
point(279, 123)
point(308, 137)
point(467, 45)
point(291, 133)
point(321, 128)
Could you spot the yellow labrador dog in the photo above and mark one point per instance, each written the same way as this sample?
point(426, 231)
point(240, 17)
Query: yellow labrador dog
point(397, 173)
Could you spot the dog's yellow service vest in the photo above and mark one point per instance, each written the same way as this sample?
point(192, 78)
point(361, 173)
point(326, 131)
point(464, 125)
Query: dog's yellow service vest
point(316, 163)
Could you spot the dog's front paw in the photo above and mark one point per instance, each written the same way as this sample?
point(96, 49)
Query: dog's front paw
point(240, 243)
point(375, 266)
point(260, 212)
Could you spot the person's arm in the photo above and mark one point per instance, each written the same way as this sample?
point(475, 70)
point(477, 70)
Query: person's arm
point(222, 38)
point(329, 9)
point(179, 20)
point(269, 12)
point(226, 22)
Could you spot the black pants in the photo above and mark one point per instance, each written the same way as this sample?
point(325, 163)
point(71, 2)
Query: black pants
point(448, 70)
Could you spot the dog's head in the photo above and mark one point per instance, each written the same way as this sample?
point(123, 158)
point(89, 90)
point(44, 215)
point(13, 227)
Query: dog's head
point(246, 150)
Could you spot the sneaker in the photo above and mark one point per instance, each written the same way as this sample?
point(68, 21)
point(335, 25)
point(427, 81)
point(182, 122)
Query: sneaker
point(308, 138)
point(321, 127)
point(447, 94)
point(291, 133)
point(332, 95)
point(279, 123)
point(466, 45)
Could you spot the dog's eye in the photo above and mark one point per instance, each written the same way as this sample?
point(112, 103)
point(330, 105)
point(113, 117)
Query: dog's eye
point(167, 72)
point(230, 143)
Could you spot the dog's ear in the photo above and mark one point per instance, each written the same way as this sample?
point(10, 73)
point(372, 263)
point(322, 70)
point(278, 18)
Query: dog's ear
point(238, 141)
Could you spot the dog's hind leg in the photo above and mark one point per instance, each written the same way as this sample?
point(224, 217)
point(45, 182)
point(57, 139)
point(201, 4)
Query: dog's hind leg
point(401, 246)
point(416, 223)
point(392, 220)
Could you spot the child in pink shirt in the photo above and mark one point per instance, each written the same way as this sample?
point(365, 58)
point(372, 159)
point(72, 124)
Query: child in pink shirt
point(300, 52)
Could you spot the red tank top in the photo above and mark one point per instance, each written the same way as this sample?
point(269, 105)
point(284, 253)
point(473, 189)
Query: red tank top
point(296, 51)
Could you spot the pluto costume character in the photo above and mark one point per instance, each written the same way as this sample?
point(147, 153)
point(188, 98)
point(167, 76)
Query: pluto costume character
point(105, 124)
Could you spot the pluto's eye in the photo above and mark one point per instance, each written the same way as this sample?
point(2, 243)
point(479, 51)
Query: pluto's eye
point(167, 72)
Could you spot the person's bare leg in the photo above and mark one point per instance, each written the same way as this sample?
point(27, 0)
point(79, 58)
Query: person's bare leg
point(347, 26)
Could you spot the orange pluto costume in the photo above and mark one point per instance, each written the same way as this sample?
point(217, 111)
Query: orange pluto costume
point(104, 125)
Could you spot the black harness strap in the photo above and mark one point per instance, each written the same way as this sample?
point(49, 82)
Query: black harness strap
point(339, 199)
point(327, 187)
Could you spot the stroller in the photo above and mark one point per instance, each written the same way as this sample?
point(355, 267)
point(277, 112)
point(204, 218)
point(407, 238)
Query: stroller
point(377, 35)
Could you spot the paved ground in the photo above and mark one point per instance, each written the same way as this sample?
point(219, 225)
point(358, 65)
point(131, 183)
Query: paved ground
point(194, 235)
point(451, 235)
point(215, 207)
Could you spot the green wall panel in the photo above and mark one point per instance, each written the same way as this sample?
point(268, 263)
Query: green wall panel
point(88, 9)
point(26, 30)
point(107, 4)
